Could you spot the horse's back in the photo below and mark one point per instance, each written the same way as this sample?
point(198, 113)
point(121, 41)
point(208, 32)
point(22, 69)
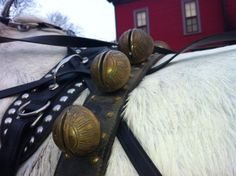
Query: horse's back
point(184, 115)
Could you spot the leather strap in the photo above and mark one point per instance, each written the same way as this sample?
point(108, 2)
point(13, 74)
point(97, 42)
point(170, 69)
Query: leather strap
point(137, 155)
point(108, 109)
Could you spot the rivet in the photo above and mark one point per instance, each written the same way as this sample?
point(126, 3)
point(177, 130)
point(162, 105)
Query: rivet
point(93, 98)
point(56, 108)
point(85, 60)
point(34, 90)
point(95, 160)
point(25, 149)
point(71, 91)
point(48, 118)
point(8, 120)
point(118, 98)
point(78, 84)
point(39, 129)
point(67, 156)
point(63, 99)
point(12, 111)
point(5, 132)
point(104, 135)
point(32, 140)
point(18, 117)
point(109, 114)
point(48, 75)
point(25, 96)
point(18, 103)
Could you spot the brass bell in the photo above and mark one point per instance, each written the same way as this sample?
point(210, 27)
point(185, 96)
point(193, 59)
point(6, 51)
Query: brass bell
point(110, 70)
point(76, 131)
point(136, 44)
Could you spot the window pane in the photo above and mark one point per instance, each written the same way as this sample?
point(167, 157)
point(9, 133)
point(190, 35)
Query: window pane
point(189, 29)
point(190, 9)
point(194, 20)
point(195, 28)
point(187, 6)
point(188, 22)
point(141, 19)
point(188, 13)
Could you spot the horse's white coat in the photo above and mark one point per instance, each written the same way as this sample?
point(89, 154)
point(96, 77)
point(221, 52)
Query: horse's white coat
point(183, 115)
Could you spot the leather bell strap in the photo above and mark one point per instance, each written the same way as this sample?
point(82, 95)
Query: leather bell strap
point(108, 108)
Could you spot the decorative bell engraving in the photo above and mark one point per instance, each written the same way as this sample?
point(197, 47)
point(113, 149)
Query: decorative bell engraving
point(110, 70)
point(77, 131)
point(136, 44)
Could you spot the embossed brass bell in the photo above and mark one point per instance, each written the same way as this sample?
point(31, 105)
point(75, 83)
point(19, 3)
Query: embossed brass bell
point(76, 131)
point(136, 44)
point(110, 70)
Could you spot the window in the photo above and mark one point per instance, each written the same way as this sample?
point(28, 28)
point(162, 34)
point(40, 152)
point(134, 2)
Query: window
point(141, 19)
point(191, 17)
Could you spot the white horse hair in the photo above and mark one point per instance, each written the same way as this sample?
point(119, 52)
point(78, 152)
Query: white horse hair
point(183, 115)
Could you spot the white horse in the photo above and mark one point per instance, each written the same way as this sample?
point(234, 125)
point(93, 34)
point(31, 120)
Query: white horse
point(184, 115)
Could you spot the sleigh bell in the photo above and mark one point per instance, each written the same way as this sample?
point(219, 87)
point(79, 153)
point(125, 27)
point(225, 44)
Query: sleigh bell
point(76, 131)
point(110, 70)
point(136, 44)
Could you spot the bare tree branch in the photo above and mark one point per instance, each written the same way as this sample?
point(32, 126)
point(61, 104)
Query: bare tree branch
point(19, 6)
point(63, 21)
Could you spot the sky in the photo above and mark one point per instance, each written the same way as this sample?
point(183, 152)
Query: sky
point(96, 18)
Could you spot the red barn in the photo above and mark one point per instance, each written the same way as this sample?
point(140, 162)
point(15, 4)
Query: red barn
point(177, 22)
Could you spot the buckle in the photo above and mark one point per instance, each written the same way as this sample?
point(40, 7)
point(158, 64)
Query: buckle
point(21, 111)
point(60, 65)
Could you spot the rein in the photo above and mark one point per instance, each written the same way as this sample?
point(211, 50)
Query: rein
point(70, 77)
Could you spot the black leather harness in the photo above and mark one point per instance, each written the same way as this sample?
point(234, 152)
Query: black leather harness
point(28, 121)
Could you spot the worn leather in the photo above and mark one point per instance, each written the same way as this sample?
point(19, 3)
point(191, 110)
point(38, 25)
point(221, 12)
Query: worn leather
point(107, 107)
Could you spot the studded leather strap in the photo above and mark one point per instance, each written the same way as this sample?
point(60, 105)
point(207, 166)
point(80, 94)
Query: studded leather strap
point(107, 108)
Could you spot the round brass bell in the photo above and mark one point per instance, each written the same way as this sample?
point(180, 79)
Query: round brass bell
point(136, 44)
point(110, 70)
point(76, 131)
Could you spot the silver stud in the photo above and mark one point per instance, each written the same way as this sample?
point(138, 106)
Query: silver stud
point(71, 91)
point(25, 96)
point(48, 76)
point(39, 129)
point(63, 99)
point(85, 60)
point(78, 84)
point(56, 108)
point(25, 149)
point(48, 118)
point(18, 103)
point(32, 140)
point(12, 111)
point(78, 51)
point(8, 120)
point(18, 117)
point(5, 132)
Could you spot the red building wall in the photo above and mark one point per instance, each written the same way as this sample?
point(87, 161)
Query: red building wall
point(230, 14)
point(166, 20)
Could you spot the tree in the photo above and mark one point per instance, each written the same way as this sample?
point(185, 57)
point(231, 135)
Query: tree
point(63, 21)
point(18, 6)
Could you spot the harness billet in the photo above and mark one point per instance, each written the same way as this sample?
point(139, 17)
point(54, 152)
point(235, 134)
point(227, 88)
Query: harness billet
point(85, 135)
